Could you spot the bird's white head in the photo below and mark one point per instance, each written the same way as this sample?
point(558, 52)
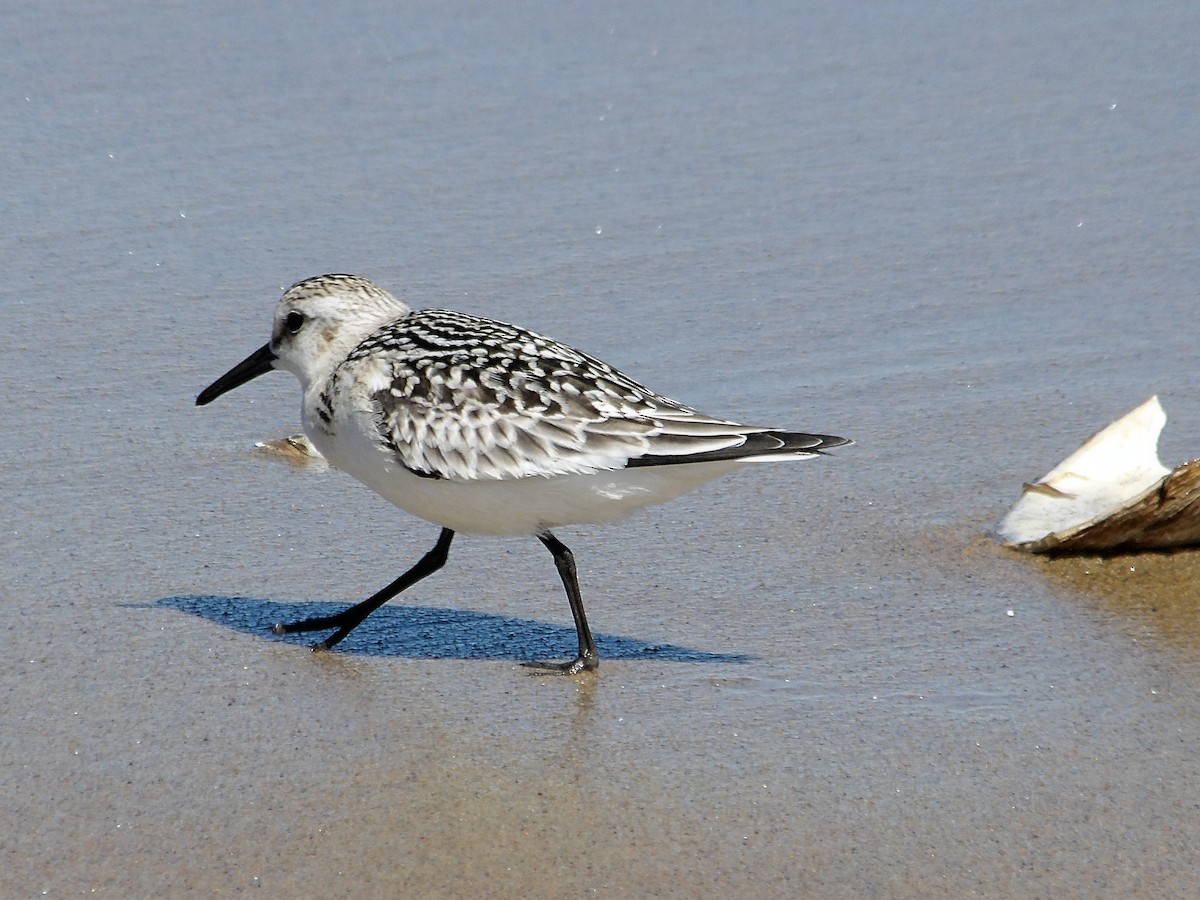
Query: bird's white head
point(318, 321)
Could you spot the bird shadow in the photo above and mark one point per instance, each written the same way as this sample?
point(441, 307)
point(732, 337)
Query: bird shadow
point(430, 632)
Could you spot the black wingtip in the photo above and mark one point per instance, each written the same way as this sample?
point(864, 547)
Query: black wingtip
point(830, 441)
point(758, 446)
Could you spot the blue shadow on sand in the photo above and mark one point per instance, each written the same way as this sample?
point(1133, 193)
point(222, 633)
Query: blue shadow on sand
point(430, 632)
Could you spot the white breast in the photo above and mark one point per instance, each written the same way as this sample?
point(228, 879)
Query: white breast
point(515, 506)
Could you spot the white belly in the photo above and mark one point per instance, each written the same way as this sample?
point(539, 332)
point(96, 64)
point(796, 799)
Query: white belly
point(512, 506)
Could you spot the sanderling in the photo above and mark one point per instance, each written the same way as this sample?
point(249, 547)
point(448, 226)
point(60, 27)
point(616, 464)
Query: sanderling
point(483, 427)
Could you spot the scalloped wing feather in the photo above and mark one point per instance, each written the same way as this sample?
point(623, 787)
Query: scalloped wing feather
point(519, 405)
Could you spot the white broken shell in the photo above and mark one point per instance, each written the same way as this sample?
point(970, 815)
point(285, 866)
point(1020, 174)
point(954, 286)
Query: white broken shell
point(296, 450)
point(1111, 494)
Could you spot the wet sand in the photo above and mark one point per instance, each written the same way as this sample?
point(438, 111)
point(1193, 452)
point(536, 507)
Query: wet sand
point(823, 721)
point(965, 242)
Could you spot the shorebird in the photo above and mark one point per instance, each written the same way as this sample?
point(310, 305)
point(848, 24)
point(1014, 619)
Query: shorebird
point(486, 428)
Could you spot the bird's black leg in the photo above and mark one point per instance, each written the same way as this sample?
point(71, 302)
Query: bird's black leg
point(588, 658)
point(349, 619)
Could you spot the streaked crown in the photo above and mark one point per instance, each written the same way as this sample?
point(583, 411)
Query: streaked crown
point(318, 321)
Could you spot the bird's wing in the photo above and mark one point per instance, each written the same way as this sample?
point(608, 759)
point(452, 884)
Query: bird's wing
point(459, 397)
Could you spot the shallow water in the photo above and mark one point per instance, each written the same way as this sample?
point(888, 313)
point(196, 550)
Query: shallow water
point(966, 239)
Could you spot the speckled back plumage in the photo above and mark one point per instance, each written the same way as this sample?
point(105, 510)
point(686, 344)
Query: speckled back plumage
point(463, 397)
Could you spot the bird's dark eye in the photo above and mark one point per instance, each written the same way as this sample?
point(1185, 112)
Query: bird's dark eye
point(294, 321)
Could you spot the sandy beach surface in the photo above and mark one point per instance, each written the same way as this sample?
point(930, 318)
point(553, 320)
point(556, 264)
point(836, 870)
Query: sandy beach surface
point(965, 238)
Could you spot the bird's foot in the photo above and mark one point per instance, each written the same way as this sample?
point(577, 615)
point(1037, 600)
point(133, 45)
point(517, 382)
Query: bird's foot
point(584, 662)
point(312, 625)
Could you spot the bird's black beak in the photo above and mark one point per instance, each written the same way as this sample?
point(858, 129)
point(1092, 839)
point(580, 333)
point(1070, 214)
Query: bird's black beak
point(257, 363)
